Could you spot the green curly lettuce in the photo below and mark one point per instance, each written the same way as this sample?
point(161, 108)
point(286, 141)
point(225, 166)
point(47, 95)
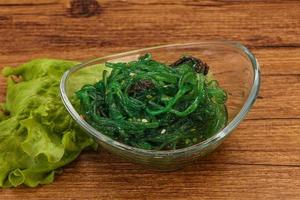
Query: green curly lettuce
point(37, 135)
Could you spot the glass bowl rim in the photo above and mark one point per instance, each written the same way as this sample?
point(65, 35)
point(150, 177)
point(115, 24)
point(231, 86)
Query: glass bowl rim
point(196, 147)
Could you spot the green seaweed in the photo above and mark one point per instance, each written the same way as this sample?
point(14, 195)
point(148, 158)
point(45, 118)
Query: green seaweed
point(152, 105)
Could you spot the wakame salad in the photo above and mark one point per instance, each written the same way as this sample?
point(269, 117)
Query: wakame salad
point(153, 105)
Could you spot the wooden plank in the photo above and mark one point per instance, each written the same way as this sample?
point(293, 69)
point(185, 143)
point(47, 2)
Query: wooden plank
point(120, 24)
point(278, 98)
point(256, 160)
point(232, 170)
point(119, 180)
point(262, 142)
point(278, 61)
point(27, 2)
point(273, 61)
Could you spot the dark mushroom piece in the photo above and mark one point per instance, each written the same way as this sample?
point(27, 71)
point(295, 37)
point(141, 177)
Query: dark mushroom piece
point(198, 65)
point(141, 85)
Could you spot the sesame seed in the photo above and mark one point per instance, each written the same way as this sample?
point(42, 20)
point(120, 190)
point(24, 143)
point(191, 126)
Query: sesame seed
point(148, 96)
point(187, 141)
point(144, 120)
point(163, 131)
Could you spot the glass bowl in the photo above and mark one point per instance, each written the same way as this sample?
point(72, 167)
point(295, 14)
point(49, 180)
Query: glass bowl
point(232, 64)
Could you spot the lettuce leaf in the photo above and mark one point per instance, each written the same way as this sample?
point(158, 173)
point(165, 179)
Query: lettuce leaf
point(37, 135)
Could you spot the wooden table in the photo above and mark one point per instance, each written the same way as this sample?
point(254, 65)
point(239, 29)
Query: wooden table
point(261, 160)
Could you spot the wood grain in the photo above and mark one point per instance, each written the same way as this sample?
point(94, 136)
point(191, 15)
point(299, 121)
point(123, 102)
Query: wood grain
point(260, 160)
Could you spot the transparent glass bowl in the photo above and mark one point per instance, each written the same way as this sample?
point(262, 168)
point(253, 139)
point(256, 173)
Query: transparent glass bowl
point(232, 64)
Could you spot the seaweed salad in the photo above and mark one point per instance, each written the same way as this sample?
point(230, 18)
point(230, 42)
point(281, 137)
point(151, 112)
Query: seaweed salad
point(152, 105)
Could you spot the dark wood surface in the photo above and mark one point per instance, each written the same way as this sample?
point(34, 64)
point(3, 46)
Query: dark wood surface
point(260, 160)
